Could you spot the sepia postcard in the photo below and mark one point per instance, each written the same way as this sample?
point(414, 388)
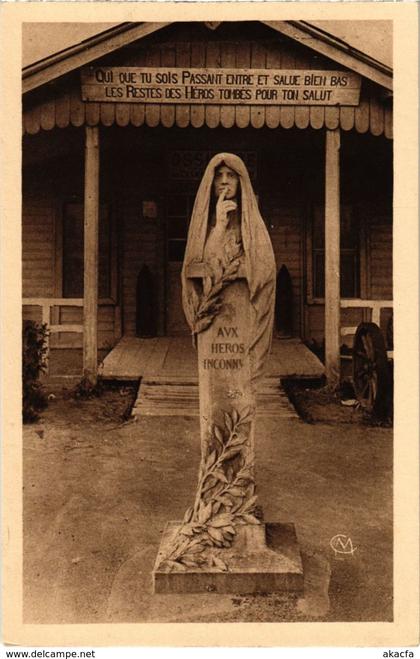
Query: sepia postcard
point(210, 324)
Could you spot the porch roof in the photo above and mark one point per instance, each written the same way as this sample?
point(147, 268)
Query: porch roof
point(47, 106)
point(54, 66)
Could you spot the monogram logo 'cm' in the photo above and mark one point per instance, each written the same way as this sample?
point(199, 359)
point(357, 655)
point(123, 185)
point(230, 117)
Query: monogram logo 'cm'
point(342, 544)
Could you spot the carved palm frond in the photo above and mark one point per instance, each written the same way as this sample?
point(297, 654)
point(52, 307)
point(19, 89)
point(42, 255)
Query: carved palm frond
point(224, 271)
point(225, 498)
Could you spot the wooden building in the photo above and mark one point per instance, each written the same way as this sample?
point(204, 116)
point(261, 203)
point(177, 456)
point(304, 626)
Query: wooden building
point(110, 171)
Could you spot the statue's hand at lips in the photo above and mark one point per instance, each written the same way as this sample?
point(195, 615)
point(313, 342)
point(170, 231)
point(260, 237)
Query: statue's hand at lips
point(226, 187)
point(223, 208)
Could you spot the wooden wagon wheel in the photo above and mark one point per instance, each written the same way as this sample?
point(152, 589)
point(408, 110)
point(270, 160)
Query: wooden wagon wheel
point(371, 377)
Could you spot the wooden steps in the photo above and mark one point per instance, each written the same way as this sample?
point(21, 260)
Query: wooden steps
point(167, 369)
point(178, 396)
point(272, 400)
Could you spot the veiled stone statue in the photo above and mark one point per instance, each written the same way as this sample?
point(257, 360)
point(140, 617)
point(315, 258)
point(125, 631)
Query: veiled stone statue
point(228, 280)
point(226, 230)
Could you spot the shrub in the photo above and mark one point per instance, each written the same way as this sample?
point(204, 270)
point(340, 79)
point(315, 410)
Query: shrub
point(34, 349)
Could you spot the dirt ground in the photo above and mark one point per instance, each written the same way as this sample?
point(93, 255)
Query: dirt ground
point(99, 491)
point(315, 403)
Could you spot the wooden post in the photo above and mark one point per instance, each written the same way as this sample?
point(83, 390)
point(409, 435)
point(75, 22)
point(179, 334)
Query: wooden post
point(332, 257)
point(91, 222)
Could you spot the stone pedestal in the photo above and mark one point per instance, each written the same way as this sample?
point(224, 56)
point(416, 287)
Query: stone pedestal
point(263, 558)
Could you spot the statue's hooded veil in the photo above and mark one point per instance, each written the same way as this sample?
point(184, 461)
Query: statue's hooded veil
point(259, 260)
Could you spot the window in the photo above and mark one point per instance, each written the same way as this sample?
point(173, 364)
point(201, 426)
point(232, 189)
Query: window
point(73, 258)
point(349, 254)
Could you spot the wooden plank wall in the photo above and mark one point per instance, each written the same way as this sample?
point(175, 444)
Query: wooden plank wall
point(40, 272)
point(30, 312)
point(380, 247)
point(64, 107)
point(38, 247)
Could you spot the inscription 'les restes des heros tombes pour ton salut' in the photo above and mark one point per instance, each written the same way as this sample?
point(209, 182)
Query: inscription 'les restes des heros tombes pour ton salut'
point(222, 94)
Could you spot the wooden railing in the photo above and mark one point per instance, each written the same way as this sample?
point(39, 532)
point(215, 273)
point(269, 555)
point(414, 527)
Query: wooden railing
point(46, 304)
point(375, 305)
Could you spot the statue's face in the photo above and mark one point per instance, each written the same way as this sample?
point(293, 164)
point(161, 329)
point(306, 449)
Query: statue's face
point(226, 179)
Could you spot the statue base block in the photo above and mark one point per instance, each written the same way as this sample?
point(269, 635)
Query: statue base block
point(263, 558)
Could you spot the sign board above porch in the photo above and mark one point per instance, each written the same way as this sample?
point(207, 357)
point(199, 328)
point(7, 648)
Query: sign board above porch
point(216, 86)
